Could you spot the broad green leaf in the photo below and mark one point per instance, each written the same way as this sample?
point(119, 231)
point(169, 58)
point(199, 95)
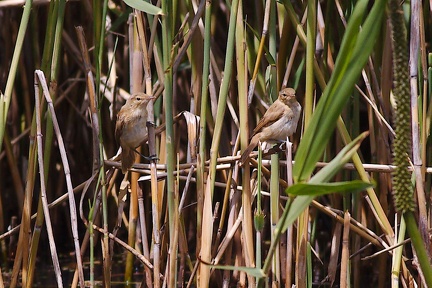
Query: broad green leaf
point(144, 6)
point(301, 202)
point(356, 47)
point(306, 189)
point(254, 272)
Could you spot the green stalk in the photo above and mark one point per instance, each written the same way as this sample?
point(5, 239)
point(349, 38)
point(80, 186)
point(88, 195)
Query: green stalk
point(259, 215)
point(303, 220)
point(91, 239)
point(274, 178)
point(49, 64)
point(223, 93)
point(397, 255)
point(50, 68)
point(6, 98)
point(419, 246)
point(274, 215)
point(99, 45)
point(309, 265)
point(98, 22)
point(203, 119)
point(135, 78)
point(211, 179)
point(247, 225)
point(310, 57)
point(274, 243)
point(167, 38)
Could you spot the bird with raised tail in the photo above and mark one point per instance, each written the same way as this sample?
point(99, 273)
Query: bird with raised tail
point(278, 122)
point(131, 129)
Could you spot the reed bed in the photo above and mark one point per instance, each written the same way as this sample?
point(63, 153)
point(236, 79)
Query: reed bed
point(344, 202)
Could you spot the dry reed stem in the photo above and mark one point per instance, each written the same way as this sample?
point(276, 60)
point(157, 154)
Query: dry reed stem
point(224, 164)
point(238, 220)
point(77, 189)
point(334, 252)
point(417, 147)
point(144, 237)
point(71, 197)
point(344, 280)
point(136, 73)
point(130, 249)
point(40, 80)
point(2, 285)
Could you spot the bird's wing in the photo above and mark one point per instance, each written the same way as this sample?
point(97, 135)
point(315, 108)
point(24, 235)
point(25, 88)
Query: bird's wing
point(118, 129)
point(273, 114)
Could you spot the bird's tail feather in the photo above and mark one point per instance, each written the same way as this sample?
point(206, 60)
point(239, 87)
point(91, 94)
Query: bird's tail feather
point(128, 159)
point(246, 153)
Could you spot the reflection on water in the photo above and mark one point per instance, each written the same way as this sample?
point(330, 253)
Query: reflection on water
point(45, 277)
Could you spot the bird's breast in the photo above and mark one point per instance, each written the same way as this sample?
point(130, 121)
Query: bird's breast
point(282, 128)
point(134, 132)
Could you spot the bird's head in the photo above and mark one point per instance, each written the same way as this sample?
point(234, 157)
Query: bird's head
point(140, 99)
point(287, 95)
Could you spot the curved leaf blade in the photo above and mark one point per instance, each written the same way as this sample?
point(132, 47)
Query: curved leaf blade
point(307, 189)
point(356, 47)
point(144, 6)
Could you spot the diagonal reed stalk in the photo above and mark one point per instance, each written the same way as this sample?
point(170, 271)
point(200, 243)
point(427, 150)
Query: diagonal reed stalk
point(40, 80)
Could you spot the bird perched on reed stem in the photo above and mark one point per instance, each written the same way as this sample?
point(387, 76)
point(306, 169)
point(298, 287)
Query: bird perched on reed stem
point(131, 129)
point(278, 122)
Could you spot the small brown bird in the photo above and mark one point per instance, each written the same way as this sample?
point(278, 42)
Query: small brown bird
point(131, 129)
point(278, 122)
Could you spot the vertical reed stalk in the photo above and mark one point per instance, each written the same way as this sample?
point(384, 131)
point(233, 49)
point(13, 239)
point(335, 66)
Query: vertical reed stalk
point(310, 56)
point(201, 157)
point(167, 38)
point(152, 148)
point(5, 98)
point(397, 255)
point(274, 214)
point(135, 76)
point(344, 277)
point(247, 226)
point(259, 215)
point(99, 36)
point(211, 179)
point(50, 60)
point(289, 232)
point(40, 80)
point(414, 45)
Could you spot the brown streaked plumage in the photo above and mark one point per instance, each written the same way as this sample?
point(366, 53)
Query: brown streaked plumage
point(131, 128)
point(278, 122)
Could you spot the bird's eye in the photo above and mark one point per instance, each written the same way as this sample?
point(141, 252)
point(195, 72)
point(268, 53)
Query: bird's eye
point(138, 98)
